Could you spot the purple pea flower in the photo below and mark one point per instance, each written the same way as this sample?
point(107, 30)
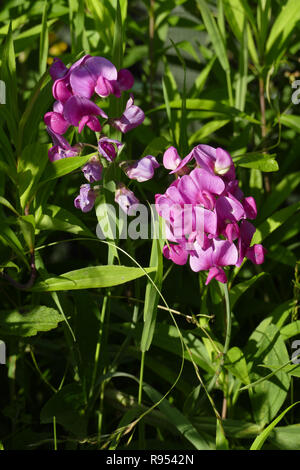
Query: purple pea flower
point(61, 148)
point(55, 119)
point(58, 69)
point(93, 170)
point(86, 198)
point(132, 117)
point(81, 78)
point(109, 148)
point(125, 198)
point(209, 195)
point(217, 161)
point(80, 111)
point(141, 170)
point(125, 79)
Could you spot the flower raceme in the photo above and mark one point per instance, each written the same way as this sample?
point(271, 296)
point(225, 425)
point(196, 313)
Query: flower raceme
point(74, 90)
point(206, 213)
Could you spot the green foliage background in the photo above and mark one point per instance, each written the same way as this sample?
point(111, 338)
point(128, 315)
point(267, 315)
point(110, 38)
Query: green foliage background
point(126, 357)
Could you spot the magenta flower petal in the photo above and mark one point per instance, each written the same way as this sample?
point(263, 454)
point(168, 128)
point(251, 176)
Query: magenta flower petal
point(77, 107)
point(104, 87)
point(229, 209)
point(176, 253)
point(61, 91)
point(93, 170)
point(250, 207)
point(247, 231)
point(141, 170)
point(256, 254)
point(101, 66)
point(232, 232)
point(56, 122)
point(86, 199)
point(125, 79)
point(223, 161)
point(82, 82)
point(217, 273)
point(225, 253)
point(171, 159)
point(201, 260)
point(58, 69)
point(84, 77)
point(182, 164)
point(207, 182)
point(109, 148)
point(90, 121)
point(132, 117)
point(126, 199)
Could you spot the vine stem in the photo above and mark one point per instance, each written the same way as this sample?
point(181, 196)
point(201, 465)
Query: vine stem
point(227, 338)
point(228, 320)
point(227, 342)
point(263, 123)
point(140, 392)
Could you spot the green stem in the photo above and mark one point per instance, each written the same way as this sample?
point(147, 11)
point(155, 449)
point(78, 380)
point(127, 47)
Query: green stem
point(229, 88)
point(141, 378)
point(98, 346)
point(141, 424)
point(228, 320)
point(54, 433)
point(227, 338)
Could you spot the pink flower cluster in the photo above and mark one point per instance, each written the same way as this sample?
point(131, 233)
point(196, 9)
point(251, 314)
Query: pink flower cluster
point(74, 89)
point(206, 213)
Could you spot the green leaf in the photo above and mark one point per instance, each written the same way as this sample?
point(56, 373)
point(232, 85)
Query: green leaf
point(236, 12)
point(259, 161)
point(282, 312)
point(40, 318)
point(282, 254)
point(282, 27)
point(241, 84)
point(189, 48)
point(77, 26)
point(291, 369)
point(290, 330)
point(57, 218)
point(266, 346)
point(152, 294)
point(279, 194)
point(27, 224)
point(214, 34)
point(221, 441)
point(8, 75)
point(91, 278)
point(203, 76)
point(63, 167)
point(207, 129)
point(7, 204)
point(240, 289)
point(208, 105)
point(9, 236)
point(177, 419)
point(286, 437)
point(290, 120)
point(156, 146)
point(166, 337)
point(260, 440)
point(68, 407)
point(274, 222)
point(117, 49)
point(44, 41)
point(235, 362)
point(108, 222)
point(31, 165)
